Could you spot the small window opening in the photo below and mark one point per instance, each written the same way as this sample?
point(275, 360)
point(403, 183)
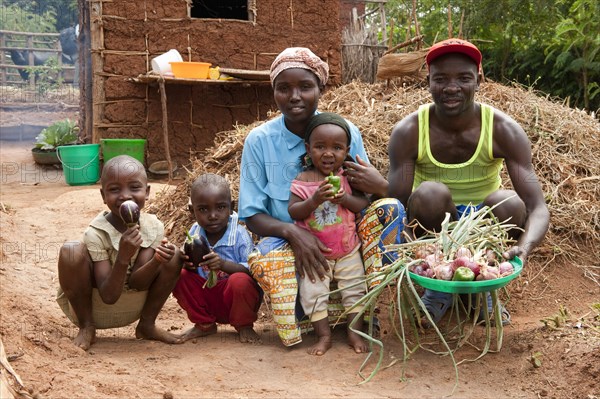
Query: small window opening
point(223, 9)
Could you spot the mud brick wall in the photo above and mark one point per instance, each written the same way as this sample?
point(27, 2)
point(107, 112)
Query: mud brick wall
point(135, 32)
point(346, 7)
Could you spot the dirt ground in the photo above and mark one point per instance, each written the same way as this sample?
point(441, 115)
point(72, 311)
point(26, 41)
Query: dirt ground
point(40, 211)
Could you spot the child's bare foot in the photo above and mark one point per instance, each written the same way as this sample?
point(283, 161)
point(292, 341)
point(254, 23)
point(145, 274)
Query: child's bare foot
point(248, 335)
point(199, 330)
point(323, 334)
point(357, 343)
point(152, 332)
point(85, 337)
point(323, 345)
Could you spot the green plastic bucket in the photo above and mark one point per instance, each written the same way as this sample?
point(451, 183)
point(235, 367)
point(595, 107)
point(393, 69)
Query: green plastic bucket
point(81, 163)
point(132, 147)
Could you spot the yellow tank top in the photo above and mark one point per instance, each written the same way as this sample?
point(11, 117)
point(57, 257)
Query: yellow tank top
point(470, 181)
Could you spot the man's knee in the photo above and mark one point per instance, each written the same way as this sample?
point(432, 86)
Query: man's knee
point(429, 201)
point(508, 207)
point(429, 193)
point(427, 189)
point(499, 196)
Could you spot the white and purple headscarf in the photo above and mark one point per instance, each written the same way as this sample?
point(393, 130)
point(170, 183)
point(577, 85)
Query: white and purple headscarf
point(300, 57)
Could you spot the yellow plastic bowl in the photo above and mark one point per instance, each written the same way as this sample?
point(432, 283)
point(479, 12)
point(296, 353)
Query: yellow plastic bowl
point(193, 70)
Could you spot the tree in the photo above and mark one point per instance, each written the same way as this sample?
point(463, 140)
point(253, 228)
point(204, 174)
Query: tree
point(517, 39)
point(577, 43)
point(14, 18)
point(64, 11)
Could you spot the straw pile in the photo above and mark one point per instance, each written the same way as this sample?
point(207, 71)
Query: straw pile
point(566, 148)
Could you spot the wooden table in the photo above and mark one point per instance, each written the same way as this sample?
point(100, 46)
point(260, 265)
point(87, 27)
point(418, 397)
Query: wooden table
point(161, 81)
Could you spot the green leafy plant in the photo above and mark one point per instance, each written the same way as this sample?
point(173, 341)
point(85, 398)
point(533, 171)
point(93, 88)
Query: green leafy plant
point(63, 132)
point(558, 320)
point(536, 359)
point(578, 46)
point(47, 76)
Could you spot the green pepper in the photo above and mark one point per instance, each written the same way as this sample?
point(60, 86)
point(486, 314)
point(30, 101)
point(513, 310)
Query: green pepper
point(463, 273)
point(335, 181)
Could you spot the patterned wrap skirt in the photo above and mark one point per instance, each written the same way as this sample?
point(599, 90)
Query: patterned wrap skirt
point(272, 266)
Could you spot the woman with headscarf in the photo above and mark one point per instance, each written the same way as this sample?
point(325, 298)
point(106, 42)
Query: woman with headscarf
point(270, 161)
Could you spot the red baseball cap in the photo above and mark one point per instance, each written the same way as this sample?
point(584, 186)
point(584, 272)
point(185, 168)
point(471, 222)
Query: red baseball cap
point(454, 46)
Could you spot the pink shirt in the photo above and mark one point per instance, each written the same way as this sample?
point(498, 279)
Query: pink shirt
point(333, 224)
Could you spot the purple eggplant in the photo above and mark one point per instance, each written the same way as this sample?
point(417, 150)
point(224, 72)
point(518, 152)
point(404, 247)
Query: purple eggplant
point(130, 213)
point(195, 248)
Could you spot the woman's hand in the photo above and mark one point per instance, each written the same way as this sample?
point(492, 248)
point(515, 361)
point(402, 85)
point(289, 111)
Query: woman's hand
point(308, 255)
point(363, 176)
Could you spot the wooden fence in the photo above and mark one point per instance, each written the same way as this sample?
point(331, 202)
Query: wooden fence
point(361, 48)
point(28, 42)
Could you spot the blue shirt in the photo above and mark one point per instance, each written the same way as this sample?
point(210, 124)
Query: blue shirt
point(270, 161)
point(235, 245)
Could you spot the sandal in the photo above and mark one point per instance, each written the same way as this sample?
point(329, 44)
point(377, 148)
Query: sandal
point(437, 304)
point(376, 327)
point(505, 314)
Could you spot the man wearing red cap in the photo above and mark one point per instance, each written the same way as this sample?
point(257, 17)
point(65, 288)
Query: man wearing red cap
point(447, 157)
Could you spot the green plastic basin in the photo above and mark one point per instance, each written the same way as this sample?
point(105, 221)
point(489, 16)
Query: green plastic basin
point(468, 287)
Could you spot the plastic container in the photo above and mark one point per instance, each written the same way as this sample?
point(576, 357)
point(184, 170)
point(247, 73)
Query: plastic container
point(161, 64)
point(132, 147)
point(81, 163)
point(162, 167)
point(468, 287)
point(190, 70)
